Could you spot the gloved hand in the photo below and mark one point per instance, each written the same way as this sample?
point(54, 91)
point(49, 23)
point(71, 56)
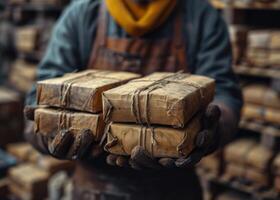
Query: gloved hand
point(207, 141)
point(62, 145)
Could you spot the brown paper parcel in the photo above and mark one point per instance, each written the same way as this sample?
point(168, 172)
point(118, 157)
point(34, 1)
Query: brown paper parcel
point(161, 98)
point(158, 141)
point(51, 121)
point(80, 91)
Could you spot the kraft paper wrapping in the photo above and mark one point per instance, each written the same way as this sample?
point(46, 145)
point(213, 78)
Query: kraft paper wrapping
point(161, 98)
point(266, 114)
point(261, 95)
point(237, 152)
point(259, 158)
point(158, 141)
point(80, 91)
point(51, 121)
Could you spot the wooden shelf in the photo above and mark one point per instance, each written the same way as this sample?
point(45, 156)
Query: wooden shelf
point(253, 6)
point(257, 71)
point(250, 191)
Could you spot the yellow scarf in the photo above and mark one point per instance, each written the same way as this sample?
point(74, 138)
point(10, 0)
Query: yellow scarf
point(137, 19)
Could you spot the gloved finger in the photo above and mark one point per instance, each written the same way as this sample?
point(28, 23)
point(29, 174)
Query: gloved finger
point(134, 165)
point(81, 145)
point(96, 150)
point(203, 139)
point(111, 159)
point(29, 112)
point(60, 144)
point(212, 116)
point(167, 163)
point(122, 161)
point(191, 160)
point(141, 157)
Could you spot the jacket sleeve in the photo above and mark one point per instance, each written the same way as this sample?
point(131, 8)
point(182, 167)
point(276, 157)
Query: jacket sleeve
point(62, 55)
point(214, 57)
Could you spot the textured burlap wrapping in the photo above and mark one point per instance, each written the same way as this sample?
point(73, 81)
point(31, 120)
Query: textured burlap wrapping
point(256, 112)
point(51, 121)
point(161, 98)
point(80, 91)
point(158, 141)
point(261, 95)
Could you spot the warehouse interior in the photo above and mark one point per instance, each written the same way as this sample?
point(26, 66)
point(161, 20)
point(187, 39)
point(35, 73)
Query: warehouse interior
point(248, 168)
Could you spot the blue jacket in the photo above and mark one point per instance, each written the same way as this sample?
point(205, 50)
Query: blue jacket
point(206, 36)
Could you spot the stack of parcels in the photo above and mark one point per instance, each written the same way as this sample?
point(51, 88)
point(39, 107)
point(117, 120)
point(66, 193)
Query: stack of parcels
point(11, 118)
point(248, 162)
point(22, 75)
point(75, 101)
point(159, 112)
point(30, 179)
point(261, 103)
point(212, 164)
point(238, 37)
point(276, 173)
point(264, 49)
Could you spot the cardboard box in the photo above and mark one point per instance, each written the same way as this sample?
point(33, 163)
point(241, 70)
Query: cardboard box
point(10, 104)
point(27, 38)
point(255, 112)
point(161, 98)
point(23, 152)
point(23, 75)
point(80, 91)
point(28, 182)
point(237, 151)
point(259, 158)
point(50, 121)
point(158, 141)
point(261, 95)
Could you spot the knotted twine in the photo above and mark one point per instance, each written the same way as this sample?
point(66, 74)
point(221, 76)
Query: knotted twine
point(136, 111)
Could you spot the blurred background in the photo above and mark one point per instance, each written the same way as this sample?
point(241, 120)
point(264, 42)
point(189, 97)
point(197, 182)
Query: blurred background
point(248, 168)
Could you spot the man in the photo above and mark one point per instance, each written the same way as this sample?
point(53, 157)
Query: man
point(142, 36)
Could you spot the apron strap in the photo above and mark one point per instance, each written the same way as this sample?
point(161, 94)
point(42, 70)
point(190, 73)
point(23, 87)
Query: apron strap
point(179, 42)
point(101, 35)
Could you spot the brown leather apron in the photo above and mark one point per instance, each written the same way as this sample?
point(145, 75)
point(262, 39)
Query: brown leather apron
point(138, 55)
point(99, 181)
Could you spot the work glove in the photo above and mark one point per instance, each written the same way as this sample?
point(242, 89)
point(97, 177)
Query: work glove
point(207, 141)
point(63, 144)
